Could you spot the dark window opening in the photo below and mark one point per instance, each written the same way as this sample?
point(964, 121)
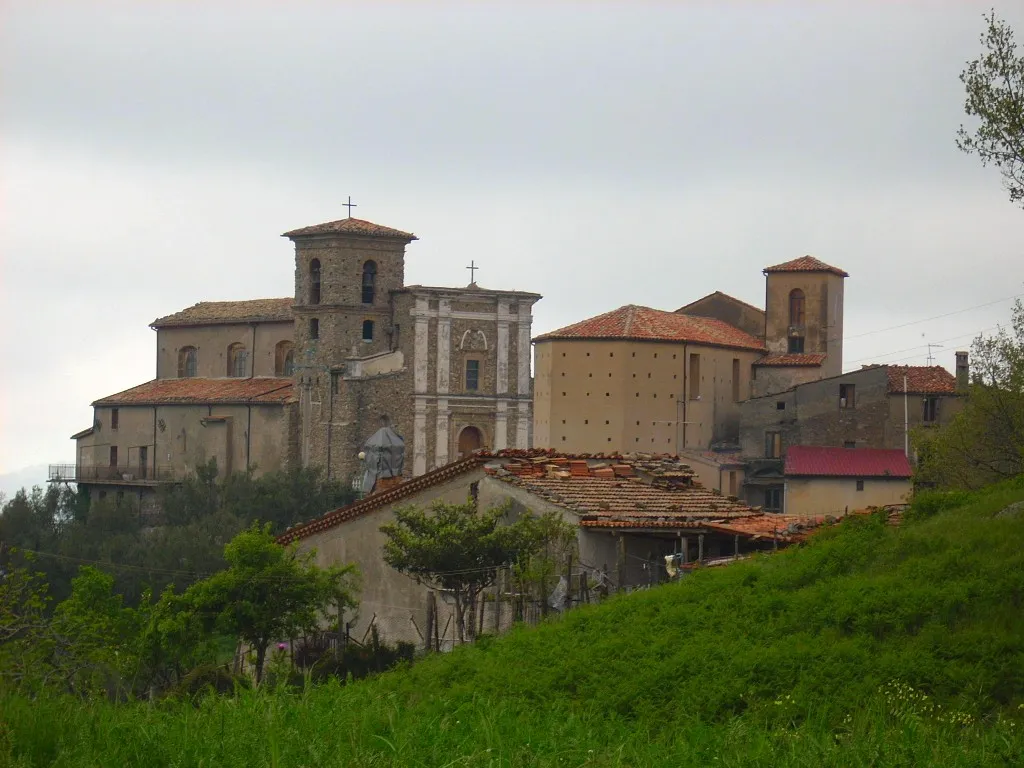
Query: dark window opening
point(931, 409)
point(735, 380)
point(780, 406)
point(314, 328)
point(314, 281)
point(860, 485)
point(796, 307)
point(367, 330)
point(796, 345)
point(369, 282)
point(772, 499)
point(335, 382)
point(284, 359)
point(850, 444)
point(773, 445)
point(694, 376)
point(847, 395)
point(115, 419)
point(473, 374)
point(113, 455)
point(237, 357)
point(187, 360)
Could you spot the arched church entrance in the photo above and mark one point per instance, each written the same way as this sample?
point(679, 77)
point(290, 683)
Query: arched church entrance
point(470, 439)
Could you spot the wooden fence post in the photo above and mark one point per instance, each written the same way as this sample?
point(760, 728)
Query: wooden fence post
point(431, 619)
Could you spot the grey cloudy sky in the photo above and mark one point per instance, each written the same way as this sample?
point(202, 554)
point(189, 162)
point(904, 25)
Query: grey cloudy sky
point(602, 154)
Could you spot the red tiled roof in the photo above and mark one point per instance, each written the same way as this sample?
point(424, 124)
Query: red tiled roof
point(792, 360)
point(221, 312)
point(921, 380)
point(820, 461)
point(195, 390)
point(783, 528)
point(359, 227)
point(645, 324)
point(806, 264)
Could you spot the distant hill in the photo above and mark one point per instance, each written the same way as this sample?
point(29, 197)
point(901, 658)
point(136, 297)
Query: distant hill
point(12, 482)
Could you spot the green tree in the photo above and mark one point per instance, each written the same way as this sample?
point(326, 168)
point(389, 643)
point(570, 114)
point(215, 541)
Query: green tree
point(268, 592)
point(995, 96)
point(985, 441)
point(24, 626)
point(458, 547)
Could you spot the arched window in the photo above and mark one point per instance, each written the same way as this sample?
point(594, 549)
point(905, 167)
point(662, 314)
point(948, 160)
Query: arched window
point(369, 281)
point(236, 360)
point(314, 281)
point(470, 439)
point(367, 330)
point(284, 359)
point(796, 307)
point(188, 360)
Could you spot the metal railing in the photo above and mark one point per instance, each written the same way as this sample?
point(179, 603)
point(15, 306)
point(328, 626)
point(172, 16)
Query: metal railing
point(87, 473)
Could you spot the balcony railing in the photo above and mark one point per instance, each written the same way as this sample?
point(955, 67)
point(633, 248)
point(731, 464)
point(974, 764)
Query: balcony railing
point(86, 473)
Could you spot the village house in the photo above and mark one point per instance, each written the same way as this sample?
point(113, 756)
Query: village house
point(836, 481)
point(631, 512)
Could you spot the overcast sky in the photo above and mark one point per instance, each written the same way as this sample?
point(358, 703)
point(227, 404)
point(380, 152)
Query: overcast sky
point(602, 154)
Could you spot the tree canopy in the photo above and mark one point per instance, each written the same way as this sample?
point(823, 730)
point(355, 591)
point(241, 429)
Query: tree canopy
point(995, 97)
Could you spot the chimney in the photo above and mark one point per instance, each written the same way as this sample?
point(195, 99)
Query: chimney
point(962, 371)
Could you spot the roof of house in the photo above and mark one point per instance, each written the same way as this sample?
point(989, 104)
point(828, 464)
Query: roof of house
point(783, 528)
point(350, 226)
point(806, 264)
point(790, 360)
point(720, 294)
point(222, 312)
point(84, 433)
point(921, 380)
point(637, 323)
point(638, 489)
point(821, 461)
point(262, 390)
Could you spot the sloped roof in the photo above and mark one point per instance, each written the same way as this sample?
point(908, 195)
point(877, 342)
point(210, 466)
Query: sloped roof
point(636, 323)
point(806, 264)
point(265, 390)
point(921, 380)
point(720, 294)
point(225, 312)
point(821, 461)
point(350, 226)
point(802, 359)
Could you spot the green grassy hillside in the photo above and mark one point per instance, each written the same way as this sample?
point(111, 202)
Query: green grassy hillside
point(872, 645)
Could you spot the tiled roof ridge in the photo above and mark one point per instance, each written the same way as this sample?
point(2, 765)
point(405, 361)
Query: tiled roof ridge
point(805, 264)
point(275, 384)
point(921, 379)
point(786, 359)
point(640, 323)
point(234, 311)
point(351, 226)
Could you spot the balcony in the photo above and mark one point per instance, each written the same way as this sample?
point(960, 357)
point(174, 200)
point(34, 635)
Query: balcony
point(114, 475)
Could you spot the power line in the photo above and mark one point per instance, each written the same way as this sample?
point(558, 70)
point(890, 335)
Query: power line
point(923, 346)
point(110, 564)
point(936, 317)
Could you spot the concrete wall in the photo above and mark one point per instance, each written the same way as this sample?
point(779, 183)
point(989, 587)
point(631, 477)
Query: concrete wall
point(823, 312)
point(729, 310)
point(836, 495)
point(626, 396)
point(212, 342)
point(713, 473)
point(771, 379)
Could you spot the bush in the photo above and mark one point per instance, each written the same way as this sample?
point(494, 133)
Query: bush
point(210, 678)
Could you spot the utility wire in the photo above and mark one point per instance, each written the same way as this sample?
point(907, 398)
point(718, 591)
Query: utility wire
point(936, 317)
point(923, 346)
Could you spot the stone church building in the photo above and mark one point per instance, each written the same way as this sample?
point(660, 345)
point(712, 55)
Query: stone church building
point(263, 384)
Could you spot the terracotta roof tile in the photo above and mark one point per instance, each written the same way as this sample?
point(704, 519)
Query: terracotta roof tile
point(221, 312)
point(921, 380)
point(792, 360)
point(806, 264)
point(821, 461)
point(196, 390)
point(359, 227)
point(643, 323)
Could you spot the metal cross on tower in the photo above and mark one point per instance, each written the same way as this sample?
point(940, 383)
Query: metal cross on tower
point(472, 272)
point(350, 205)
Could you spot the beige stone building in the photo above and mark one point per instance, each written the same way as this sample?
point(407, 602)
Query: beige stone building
point(223, 390)
point(835, 481)
point(631, 513)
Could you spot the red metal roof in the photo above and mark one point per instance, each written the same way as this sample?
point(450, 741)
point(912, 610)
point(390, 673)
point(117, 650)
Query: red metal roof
point(821, 461)
point(792, 360)
point(921, 380)
point(196, 390)
point(806, 264)
point(359, 227)
point(634, 322)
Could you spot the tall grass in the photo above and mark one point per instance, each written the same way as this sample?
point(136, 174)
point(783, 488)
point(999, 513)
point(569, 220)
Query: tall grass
point(870, 646)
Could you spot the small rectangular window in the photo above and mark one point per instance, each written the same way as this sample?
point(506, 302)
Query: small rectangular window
point(773, 445)
point(847, 395)
point(780, 406)
point(860, 485)
point(732, 483)
point(931, 409)
point(694, 376)
point(314, 328)
point(367, 330)
point(850, 444)
point(473, 374)
point(773, 500)
point(735, 380)
point(113, 455)
point(114, 418)
point(796, 345)
point(335, 382)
